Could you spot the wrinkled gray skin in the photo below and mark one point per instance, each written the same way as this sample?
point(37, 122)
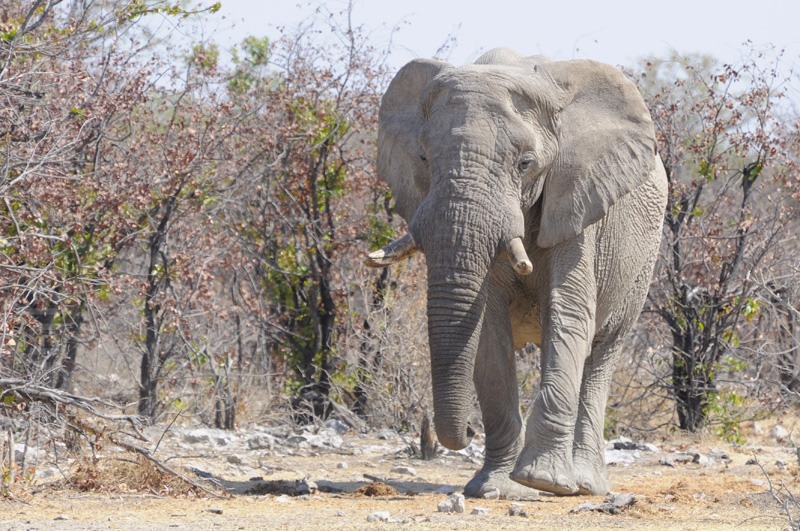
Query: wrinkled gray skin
point(563, 156)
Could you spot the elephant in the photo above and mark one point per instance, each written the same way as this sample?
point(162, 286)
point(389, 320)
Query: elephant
point(535, 191)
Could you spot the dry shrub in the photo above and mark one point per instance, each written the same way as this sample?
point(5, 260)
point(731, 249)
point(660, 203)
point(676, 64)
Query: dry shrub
point(125, 475)
point(387, 355)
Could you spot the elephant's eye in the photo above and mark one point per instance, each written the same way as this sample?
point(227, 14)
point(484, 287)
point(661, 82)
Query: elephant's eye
point(525, 163)
point(423, 158)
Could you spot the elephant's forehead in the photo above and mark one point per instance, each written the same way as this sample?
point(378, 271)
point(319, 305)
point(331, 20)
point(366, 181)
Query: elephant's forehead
point(482, 75)
point(467, 94)
point(502, 89)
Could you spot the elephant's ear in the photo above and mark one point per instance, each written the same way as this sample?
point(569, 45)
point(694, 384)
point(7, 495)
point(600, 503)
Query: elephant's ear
point(606, 147)
point(399, 123)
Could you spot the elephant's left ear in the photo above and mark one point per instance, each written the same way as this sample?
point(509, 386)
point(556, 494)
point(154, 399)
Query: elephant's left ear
point(607, 147)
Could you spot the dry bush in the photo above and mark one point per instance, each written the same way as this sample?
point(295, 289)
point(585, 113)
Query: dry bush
point(125, 474)
point(387, 359)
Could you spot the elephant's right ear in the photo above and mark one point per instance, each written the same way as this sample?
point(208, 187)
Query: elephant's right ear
point(399, 123)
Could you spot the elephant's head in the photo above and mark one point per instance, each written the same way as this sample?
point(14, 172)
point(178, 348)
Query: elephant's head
point(468, 152)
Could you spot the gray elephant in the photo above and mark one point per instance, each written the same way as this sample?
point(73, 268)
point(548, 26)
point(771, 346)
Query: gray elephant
point(496, 162)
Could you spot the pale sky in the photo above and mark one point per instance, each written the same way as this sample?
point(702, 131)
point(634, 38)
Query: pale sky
point(612, 31)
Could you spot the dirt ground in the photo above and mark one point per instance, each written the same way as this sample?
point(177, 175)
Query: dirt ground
point(717, 489)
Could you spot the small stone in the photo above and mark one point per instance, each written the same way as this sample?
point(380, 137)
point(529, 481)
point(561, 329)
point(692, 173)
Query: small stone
point(779, 433)
point(27, 452)
point(341, 513)
point(780, 463)
point(62, 517)
point(613, 504)
point(518, 509)
point(305, 486)
point(453, 504)
point(337, 426)
point(261, 442)
point(703, 460)
point(283, 498)
point(379, 516)
point(406, 470)
point(626, 445)
point(342, 465)
point(718, 454)
point(387, 434)
point(445, 489)
point(673, 459)
point(480, 511)
point(234, 459)
point(200, 436)
point(620, 457)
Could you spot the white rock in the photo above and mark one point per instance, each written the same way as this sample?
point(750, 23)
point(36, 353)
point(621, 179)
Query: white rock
point(46, 473)
point(342, 465)
point(621, 457)
point(480, 511)
point(387, 434)
point(261, 442)
point(379, 516)
point(208, 436)
point(704, 460)
point(779, 433)
point(337, 426)
point(518, 509)
point(453, 504)
point(407, 470)
point(305, 486)
point(283, 498)
point(30, 454)
point(200, 436)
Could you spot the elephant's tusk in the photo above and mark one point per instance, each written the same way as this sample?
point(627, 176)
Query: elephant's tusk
point(392, 252)
point(519, 258)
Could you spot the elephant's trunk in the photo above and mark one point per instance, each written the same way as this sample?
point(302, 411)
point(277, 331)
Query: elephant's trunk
point(455, 316)
point(462, 226)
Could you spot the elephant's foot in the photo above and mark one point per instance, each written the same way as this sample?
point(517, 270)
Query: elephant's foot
point(498, 484)
point(549, 471)
point(591, 476)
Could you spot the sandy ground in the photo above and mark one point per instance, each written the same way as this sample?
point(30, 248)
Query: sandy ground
point(719, 491)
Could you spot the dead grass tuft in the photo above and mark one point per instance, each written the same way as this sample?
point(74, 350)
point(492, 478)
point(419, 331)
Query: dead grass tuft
point(122, 475)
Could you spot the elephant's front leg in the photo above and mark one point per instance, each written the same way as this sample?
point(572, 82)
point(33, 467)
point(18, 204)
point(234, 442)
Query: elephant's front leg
point(546, 461)
point(496, 384)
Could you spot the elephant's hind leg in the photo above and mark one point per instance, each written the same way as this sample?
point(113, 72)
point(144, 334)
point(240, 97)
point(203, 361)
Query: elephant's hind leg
point(588, 455)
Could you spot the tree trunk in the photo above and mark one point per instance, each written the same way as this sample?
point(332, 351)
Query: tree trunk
point(73, 322)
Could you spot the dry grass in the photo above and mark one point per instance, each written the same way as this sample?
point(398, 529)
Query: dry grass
point(127, 475)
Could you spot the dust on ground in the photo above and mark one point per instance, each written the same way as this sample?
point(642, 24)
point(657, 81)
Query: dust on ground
point(358, 481)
